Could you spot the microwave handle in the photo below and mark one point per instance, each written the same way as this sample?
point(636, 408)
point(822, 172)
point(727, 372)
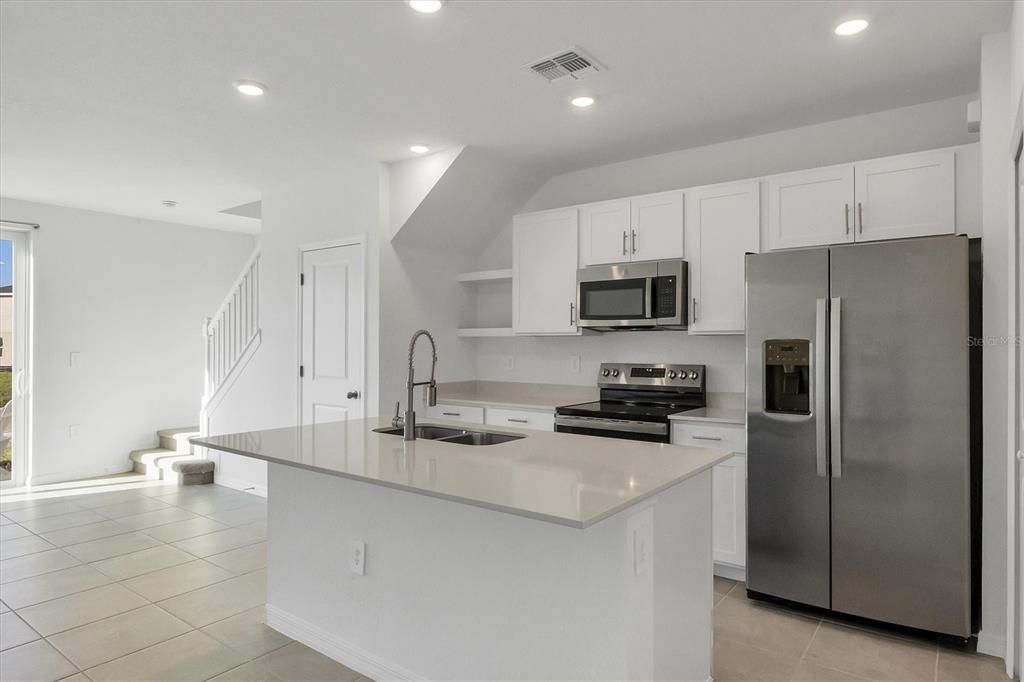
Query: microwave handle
point(649, 297)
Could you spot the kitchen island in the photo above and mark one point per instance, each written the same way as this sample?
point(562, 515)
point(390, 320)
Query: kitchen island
point(553, 556)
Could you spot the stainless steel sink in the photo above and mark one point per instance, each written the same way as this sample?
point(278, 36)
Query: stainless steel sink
point(447, 434)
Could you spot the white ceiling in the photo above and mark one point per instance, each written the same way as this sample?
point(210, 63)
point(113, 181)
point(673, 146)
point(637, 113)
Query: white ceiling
point(116, 106)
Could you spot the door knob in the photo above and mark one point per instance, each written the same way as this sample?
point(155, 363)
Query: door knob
point(352, 395)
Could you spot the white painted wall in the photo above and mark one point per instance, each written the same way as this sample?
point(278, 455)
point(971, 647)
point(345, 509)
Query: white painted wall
point(130, 296)
point(915, 128)
point(996, 187)
point(327, 204)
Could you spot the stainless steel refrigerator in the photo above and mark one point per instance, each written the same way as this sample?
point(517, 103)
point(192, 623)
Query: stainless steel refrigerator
point(861, 391)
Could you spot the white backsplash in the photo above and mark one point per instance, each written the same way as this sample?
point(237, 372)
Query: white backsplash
point(552, 360)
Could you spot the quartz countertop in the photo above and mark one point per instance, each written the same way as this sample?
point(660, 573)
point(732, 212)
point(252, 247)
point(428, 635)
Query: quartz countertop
point(515, 394)
point(721, 415)
point(562, 478)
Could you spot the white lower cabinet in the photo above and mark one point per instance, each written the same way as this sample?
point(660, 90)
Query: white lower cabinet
point(520, 419)
point(462, 413)
point(729, 490)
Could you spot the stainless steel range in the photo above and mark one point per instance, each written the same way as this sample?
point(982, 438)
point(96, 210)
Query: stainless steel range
point(636, 401)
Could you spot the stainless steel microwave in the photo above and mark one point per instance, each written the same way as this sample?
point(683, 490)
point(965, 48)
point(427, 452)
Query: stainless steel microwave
point(627, 296)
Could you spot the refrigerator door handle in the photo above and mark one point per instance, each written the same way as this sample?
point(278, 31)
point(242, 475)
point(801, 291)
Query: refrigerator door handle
point(821, 385)
point(835, 367)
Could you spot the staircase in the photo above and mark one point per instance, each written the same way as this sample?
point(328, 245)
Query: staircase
point(174, 460)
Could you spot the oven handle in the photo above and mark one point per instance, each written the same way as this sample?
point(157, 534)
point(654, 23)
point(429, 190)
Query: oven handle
point(623, 425)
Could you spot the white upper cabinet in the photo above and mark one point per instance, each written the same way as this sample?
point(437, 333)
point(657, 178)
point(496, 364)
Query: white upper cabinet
point(723, 223)
point(656, 226)
point(545, 247)
point(604, 232)
point(648, 227)
point(913, 195)
point(906, 196)
point(811, 208)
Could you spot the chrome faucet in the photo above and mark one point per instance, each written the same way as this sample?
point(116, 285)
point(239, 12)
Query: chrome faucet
point(409, 423)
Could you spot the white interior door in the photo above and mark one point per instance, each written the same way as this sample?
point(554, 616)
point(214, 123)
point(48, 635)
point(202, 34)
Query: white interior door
point(332, 330)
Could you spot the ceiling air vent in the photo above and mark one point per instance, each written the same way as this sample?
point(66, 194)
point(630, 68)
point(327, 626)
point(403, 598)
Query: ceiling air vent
point(572, 63)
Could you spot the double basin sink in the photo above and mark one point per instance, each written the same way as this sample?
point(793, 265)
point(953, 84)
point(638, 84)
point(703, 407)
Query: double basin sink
point(448, 434)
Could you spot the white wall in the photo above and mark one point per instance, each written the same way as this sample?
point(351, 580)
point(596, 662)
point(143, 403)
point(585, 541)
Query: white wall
point(129, 295)
point(327, 204)
point(924, 126)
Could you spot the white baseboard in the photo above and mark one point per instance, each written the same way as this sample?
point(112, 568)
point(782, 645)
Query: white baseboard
point(737, 573)
point(993, 645)
point(334, 647)
point(239, 484)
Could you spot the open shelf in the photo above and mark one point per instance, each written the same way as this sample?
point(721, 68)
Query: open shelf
point(484, 276)
point(484, 331)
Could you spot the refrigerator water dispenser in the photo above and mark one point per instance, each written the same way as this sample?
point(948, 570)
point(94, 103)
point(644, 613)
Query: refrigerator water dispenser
point(787, 376)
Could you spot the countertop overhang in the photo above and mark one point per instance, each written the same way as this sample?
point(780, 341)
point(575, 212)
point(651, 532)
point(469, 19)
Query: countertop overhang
point(572, 480)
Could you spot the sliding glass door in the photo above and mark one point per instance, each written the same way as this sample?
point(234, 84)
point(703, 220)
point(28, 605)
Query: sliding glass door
point(14, 316)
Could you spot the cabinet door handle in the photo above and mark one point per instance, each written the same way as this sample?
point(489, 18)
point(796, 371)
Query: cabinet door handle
point(706, 437)
point(634, 240)
point(452, 414)
point(518, 421)
point(847, 219)
point(694, 310)
point(860, 216)
point(623, 242)
point(572, 314)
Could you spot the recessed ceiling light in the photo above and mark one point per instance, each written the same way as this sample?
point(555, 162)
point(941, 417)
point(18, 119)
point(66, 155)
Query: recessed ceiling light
point(426, 6)
point(419, 149)
point(169, 203)
point(582, 101)
point(250, 88)
point(852, 27)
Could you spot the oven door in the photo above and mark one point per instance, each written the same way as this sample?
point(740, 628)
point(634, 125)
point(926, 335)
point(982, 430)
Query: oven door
point(654, 432)
point(612, 296)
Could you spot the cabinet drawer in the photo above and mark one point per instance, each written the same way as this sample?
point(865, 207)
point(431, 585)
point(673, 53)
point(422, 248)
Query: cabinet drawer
point(717, 436)
point(461, 413)
point(520, 419)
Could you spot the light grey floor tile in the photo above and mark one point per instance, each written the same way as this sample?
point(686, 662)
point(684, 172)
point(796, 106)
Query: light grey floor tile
point(106, 499)
point(40, 510)
point(253, 671)
point(49, 524)
point(242, 560)
point(80, 608)
point(13, 531)
point(116, 545)
point(37, 661)
point(875, 656)
point(957, 666)
point(131, 508)
point(170, 582)
point(77, 677)
point(241, 515)
point(117, 636)
point(298, 662)
point(79, 534)
point(22, 546)
point(247, 633)
point(192, 656)
point(4, 520)
point(14, 631)
point(182, 530)
point(144, 561)
point(765, 627)
point(808, 672)
point(35, 564)
point(158, 517)
point(735, 661)
point(40, 588)
point(213, 505)
point(217, 602)
point(4, 608)
point(224, 540)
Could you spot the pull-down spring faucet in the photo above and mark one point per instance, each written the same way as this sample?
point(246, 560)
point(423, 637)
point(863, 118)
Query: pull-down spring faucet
point(409, 423)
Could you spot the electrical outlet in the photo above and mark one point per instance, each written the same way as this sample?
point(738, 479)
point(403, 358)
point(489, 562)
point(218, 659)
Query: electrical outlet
point(357, 558)
point(74, 357)
point(574, 364)
point(72, 431)
point(508, 363)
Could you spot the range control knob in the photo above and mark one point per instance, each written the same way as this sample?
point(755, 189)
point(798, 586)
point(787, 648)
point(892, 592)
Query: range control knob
point(693, 374)
point(605, 372)
point(671, 374)
point(615, 372)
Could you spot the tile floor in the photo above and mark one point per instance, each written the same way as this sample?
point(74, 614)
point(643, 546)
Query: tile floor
point(127, 579)
point(757, 641)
